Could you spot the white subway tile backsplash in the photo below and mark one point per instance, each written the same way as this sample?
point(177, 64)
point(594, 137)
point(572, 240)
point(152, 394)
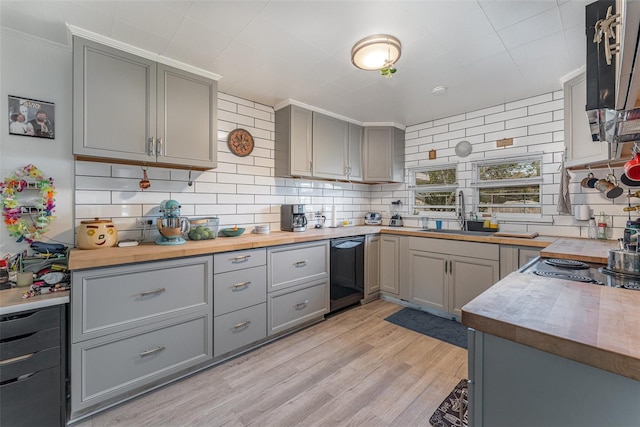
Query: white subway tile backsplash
point(506, 115)
point(93, 197)
point(529, 120)
point(529, 101)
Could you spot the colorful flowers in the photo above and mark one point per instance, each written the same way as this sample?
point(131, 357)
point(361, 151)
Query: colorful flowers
point(27, 222)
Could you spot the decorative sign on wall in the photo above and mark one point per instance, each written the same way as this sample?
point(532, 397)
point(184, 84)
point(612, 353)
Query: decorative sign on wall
point(29, 117)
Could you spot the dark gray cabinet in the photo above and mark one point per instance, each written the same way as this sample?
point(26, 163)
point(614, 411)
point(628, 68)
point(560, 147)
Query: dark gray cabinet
point(33, 374)
point(130, 108)
point(383, 153)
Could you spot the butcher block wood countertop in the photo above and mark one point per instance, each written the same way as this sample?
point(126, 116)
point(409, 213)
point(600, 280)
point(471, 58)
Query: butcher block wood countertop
point(591, 324)
point(587, 250)
point(82, 259)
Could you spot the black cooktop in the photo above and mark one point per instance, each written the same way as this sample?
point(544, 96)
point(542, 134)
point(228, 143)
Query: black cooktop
point(579, 271)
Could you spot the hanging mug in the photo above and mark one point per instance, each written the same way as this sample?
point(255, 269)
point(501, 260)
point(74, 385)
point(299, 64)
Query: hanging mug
point(609, 187)
point(589, 181)
point(632, 168)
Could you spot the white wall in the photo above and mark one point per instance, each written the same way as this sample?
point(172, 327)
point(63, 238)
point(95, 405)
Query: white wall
point(536, 125)
point(33, 68)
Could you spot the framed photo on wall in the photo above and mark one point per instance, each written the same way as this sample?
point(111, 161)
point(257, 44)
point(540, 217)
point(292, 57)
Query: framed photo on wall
point(30, 117)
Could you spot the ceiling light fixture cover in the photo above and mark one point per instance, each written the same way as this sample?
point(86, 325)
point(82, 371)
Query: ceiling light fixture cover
point(377, 52)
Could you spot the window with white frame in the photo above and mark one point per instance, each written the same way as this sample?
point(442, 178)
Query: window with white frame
point(433, 189)
point(510, 186)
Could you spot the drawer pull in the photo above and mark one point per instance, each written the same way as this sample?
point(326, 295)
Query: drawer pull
point(300, 263)
point(242, 324)
point(242, 285)
point(240, 258)
point(152, 351)
point(301, 305)
point(152, 292)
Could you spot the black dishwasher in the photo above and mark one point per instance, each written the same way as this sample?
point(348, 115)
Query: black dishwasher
point(347, 272)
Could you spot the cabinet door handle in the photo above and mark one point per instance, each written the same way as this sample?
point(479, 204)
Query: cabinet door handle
point(301, 305)
point(152, 351)
point(241, 285)
point(450, 267)
point(152, 146)
point(152, 292)
point(240, 258)
point(446, 264)
point(300, 263)
point(160, 148)
point(242, 324)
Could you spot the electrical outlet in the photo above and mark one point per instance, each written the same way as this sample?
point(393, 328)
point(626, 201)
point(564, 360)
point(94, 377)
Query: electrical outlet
point(144, 222)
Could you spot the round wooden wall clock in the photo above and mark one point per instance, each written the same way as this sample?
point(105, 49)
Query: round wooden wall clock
point(240, 142)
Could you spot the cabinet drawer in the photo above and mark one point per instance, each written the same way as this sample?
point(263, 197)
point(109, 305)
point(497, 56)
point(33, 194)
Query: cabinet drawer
point(239, 289)
point(109, 300)
point(296, 264)
point(27, 322)
point(231, 261)
point(30, 343)
point(29, 364)
point(237, 329)
point(289, 309)
point(32, 401)
point(109, 368)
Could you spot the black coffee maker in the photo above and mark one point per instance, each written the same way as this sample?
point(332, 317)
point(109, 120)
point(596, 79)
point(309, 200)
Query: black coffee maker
point(292, 218)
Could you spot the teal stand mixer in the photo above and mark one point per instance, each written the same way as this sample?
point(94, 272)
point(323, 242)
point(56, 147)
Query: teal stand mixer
point(171, 225)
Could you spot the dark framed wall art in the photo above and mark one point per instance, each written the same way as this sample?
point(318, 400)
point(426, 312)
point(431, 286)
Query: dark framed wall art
point(30, 117)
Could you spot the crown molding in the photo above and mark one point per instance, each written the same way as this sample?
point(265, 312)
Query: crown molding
point(35, 39)
point(107, 41)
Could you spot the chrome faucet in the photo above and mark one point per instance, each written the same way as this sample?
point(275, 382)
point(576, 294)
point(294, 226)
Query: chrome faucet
point(462, 218)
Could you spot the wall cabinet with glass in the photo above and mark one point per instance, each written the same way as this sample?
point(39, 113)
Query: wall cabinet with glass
point(132, 109)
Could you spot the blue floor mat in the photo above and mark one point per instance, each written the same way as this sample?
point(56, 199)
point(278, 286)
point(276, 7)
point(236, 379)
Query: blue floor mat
point(434, 326)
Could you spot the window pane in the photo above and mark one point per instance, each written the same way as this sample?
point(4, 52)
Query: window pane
point(436, 177)
point(511, 170)
point(517, 199)
point(435, 201)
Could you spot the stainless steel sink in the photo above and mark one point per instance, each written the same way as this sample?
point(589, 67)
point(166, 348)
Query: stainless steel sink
point(463, 232)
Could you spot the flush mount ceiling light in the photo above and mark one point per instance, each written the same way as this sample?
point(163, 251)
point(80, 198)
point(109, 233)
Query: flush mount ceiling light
point(378, 52)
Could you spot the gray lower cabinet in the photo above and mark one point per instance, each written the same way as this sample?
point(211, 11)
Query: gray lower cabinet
point(509, 381)
point(372, 267)
point(240, 300)
point(390, 264)
point(133, 109)
point(33, 374)
point(297, 285)
point(136, 327)
point(514, 257)
point(446, 274)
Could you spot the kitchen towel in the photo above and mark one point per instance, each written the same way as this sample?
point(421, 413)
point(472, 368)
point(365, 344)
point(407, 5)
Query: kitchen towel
point(564, 201)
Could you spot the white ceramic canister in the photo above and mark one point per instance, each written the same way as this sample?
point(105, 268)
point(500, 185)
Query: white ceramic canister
point(582, 212)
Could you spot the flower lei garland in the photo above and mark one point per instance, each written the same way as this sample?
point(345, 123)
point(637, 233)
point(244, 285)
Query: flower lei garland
point(27, 228)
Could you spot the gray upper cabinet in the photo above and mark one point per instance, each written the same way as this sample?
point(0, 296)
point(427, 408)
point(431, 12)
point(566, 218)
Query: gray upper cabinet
point(314, 145)
point(330, 147)
point(383, 154)
point(132, 109)
point(355, 170)
point(293, 141)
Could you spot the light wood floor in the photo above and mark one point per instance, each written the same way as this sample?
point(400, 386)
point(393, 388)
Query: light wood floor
point(352, 369)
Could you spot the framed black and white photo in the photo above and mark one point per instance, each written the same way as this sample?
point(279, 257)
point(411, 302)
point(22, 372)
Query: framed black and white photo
point(30, 117)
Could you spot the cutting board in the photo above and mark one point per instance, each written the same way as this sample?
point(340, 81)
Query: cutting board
point(530, 235)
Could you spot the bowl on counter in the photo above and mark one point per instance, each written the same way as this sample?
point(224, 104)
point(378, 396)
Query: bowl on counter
point(231, 232)
point(203, 228)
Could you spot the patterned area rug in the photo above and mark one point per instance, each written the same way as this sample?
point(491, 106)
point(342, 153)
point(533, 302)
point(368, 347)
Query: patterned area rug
point(452, 412)
point(434, 326)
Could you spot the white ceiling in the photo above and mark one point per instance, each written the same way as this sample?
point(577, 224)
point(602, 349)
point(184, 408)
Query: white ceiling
point(485, 52)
